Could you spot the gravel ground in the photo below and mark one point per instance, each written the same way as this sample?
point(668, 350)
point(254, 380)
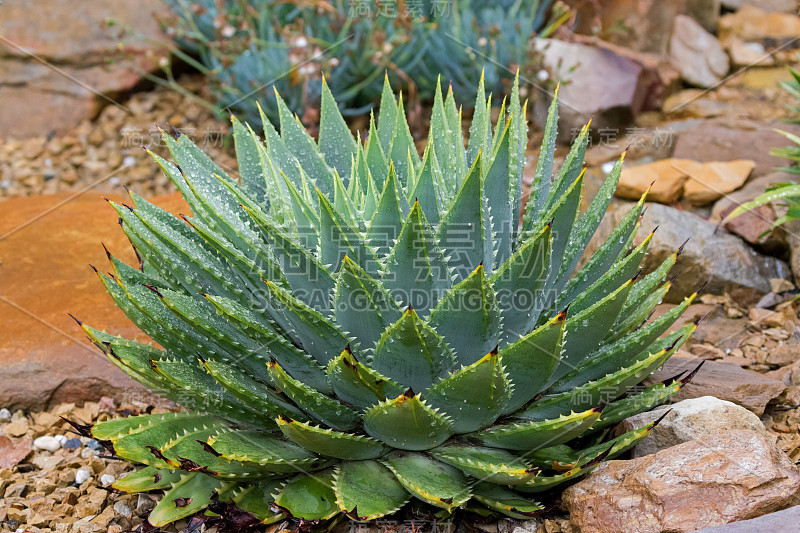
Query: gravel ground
point(90, 156)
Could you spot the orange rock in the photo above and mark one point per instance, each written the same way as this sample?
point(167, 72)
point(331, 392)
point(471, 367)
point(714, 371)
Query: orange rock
point(667, 176)
point(711, 181)
point(46, 244)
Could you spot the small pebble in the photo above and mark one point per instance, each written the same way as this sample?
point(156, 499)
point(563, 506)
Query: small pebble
point(50, 444)
point(94, 445)
point(88, 452)
point(5, 415)
point(72, 444)
point(107, 479)
point(121, 508)
point(61, 439)
point(81, 476)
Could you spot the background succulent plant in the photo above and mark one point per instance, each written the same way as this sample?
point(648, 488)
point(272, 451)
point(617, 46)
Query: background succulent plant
point(351, 326)
point(249, 48)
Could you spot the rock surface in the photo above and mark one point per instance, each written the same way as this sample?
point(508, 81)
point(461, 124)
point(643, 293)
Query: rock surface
point(754, 226)
point(722, 380)
point(689, 420)
point(667, 177)
point(36, 98)
point(785, 520)
point(771, 6)
point(716, 479)
point(700, 57)
point(734, 266)
point(643, 25)
point(619, 90)
point(711, 181)
point(752, 23)
point(45, 275)
point(725, 140)
point(671, 179)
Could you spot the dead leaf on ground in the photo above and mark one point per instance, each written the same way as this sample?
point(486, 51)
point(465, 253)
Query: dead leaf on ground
point(12, 454)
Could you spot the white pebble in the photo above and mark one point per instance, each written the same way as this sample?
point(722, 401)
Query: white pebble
point(123, 509)
point(88, 452)
point(50, 444)
point(82, 475)
point(608, 166)
point(61, 439)
point(5, 415)
point(107, 479)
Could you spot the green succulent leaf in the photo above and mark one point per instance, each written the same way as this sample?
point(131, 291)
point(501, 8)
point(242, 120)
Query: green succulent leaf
point(474, 396)
point(415, 271)
point(309, 496)
point(532, 360)
point(366, 490)
point(358, 384)
point(331, 443)
point(468, 318)
point(530, 435)
point(362, 306)
point(320, 407)
point(407, 423)
point(492, 465)
point(412, 354)
point(186, 497)
point(506, 501)
point(147, 479)
point(431, 481)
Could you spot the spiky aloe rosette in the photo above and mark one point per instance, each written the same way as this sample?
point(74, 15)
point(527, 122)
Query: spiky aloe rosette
point(350, 326)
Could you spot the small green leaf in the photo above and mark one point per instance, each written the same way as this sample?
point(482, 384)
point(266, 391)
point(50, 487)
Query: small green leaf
point(335, 140)
point(147, 479)
point(412, 354)
point(431, 481)
point(506, 501)
point(530, 435)
point(366, 490)
point(407, 423)
point(474, 396)
point(530, 361)
point(487, 464)
point(468, 318)
point(331, 443)
point(309, 496)
point(186, 497)
point(465, 232)
point(416, 272)
point(358, 384)
point(327, 410)
point(362, 306)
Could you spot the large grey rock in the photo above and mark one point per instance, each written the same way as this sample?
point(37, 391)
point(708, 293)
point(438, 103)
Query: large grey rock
point(716, 479)
point(689, 420)
point(699, 56)
point(723, 260)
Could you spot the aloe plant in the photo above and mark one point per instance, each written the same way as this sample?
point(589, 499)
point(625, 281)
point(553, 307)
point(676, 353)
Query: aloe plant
point(350, 326)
